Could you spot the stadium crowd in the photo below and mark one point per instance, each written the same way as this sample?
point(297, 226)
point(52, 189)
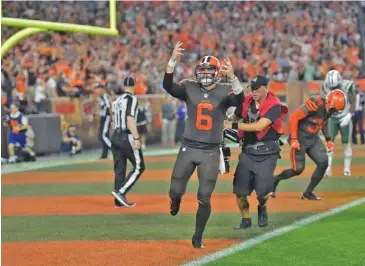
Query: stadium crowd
point(284, 40)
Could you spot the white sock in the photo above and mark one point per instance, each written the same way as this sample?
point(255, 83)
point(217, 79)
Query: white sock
point(347, 152)
point(330, 157)
point(13, 158)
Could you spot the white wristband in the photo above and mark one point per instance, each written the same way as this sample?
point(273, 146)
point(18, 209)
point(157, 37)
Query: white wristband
point(171, 63)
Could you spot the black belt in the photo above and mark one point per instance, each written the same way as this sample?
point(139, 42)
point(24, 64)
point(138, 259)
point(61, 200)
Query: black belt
point(121, 131)
point(262, 147)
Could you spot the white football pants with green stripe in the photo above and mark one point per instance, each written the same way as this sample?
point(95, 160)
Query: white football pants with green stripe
point(346, 134)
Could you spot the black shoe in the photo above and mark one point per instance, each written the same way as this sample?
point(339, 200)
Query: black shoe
point(117, 204)
point(174, 206)
point(122, 199)
point(310, 196)
point(197, 242)
point(262, 216)
point(245, 223)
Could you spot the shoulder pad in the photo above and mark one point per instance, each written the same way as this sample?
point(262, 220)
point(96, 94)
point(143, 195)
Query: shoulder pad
point(349, 84)
point(313, 103)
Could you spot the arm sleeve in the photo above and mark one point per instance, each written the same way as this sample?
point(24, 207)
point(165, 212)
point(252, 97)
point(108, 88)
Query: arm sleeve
point(238, 111)
point(325, 130)
point(298, 114)
point(273, 113)
point(234, 100)
point(132, 106)
point(176, 90)
point(236, 86)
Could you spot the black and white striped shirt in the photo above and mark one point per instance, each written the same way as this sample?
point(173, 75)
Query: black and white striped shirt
point(125, 105)
point(104, 105)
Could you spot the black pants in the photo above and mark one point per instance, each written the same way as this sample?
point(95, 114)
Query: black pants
point(104, 136)
point(254, 173)
point(188, 159)
point(123, 149)
point(317, 152)
point(358, 119)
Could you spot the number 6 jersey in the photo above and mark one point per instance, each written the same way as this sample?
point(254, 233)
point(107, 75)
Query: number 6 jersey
point(205, 110)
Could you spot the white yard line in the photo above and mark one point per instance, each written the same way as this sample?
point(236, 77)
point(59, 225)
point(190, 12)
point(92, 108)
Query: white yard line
point(278, 232)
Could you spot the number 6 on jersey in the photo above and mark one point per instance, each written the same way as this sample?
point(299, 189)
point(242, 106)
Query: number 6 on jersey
point(204, 121)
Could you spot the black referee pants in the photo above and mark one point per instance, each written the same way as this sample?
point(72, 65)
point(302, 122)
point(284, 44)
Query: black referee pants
point(123, 149)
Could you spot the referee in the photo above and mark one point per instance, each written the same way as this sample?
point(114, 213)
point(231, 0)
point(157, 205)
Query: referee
point(104, 113)
point(126, 143)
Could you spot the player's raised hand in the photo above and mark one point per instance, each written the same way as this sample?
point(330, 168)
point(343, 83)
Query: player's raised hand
point(227, 69)
point(178, 51)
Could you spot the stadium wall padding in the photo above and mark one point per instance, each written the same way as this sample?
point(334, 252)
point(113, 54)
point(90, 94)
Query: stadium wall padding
point(47, 130)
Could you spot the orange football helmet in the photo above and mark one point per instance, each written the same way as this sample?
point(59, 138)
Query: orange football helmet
point(336, 100)
point(207, 70)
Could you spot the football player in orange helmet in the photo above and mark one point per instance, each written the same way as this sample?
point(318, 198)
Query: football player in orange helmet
point(304, 125)
point(207, 101)
point(335, 101)
point(207, 71)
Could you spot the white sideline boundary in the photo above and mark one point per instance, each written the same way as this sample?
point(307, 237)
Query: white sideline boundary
point(278, 232)
point(87, 156)
point(60, 160)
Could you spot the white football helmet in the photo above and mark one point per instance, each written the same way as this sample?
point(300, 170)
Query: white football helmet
point(333, 80)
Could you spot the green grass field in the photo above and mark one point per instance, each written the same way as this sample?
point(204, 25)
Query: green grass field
point(336, 240)
point(65, 215)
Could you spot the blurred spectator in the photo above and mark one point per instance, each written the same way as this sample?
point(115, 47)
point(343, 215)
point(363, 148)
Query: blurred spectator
point(180, 123)
point(51, 84)
point(291, 40)
point(71, 142)
point(17, 143)
point(27, 154)
point(142, 124)
point(168, 119)
point(40, 92)
point(105, 119)
point(358, 118)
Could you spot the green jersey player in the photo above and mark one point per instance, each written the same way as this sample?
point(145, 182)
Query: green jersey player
point(342, 120)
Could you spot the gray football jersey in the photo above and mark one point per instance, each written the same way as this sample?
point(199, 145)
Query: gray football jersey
point(206, 111)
